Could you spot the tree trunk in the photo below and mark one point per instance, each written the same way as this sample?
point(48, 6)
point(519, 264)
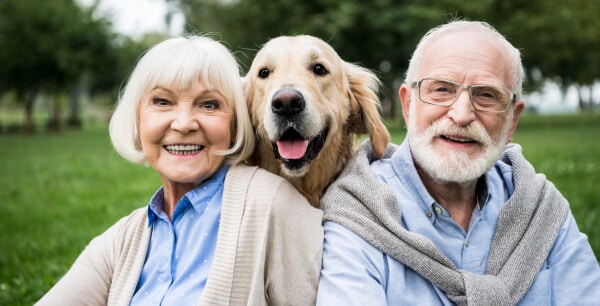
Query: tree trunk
point(392, 101)
point(29, 125)
point(74, 120)
point(584, 104)
point(55, 123)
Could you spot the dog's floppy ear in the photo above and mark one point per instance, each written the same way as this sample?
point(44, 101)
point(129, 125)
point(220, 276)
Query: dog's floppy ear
point(246, 86)
point(366, 117)
point(248, 89)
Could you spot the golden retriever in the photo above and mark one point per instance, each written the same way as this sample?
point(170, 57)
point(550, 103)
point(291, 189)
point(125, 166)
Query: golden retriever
point(308, 106)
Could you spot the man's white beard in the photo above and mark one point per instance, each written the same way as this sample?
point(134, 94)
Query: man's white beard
point(454, 166)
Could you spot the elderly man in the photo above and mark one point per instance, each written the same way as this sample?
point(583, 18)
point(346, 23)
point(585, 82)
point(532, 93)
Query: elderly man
point(455, 214)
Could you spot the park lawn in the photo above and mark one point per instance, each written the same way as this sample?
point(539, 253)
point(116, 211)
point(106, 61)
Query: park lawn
point(567, 150)
point(61, 190)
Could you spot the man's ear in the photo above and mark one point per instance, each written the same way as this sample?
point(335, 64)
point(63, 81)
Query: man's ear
point(404, 95)
point(517, 108)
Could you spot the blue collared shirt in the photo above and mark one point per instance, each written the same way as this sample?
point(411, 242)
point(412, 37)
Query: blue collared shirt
point(181, 251)
point(356, 273)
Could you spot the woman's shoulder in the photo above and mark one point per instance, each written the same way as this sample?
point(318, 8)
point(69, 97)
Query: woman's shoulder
point(264, 186)
point(138, 215)
point(124, 234)
point(132, 224)
point(254, 175)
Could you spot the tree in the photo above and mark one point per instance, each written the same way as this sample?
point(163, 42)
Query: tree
point(361, 32)
point(557, 38)
point(379, 35)
point(46, 46)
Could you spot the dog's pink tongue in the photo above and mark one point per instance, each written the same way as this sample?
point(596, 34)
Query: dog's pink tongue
point(292, 149)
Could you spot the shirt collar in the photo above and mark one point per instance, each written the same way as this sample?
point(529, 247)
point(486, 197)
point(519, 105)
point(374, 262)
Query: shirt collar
point(407, 172)
point(155, 206)
point(204, 193)
point(483, 193)
point(198, 197)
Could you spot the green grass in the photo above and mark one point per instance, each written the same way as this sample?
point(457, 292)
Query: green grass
point(567, 151)
point(59, 191)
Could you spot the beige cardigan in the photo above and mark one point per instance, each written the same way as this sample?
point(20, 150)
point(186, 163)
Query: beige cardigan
point(268, 250)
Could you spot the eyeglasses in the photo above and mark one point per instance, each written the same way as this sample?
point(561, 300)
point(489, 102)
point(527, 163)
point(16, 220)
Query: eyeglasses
point(484, 98)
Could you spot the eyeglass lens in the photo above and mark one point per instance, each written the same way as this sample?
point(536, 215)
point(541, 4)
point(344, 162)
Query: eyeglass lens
point(442, 92)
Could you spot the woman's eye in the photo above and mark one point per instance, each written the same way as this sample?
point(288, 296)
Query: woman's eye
point(212, 104)
point(160, 101)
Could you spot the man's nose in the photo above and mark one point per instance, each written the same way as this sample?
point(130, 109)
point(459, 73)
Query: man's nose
point(462, 111)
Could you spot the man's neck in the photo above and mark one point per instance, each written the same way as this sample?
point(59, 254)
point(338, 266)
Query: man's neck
point(459, 199)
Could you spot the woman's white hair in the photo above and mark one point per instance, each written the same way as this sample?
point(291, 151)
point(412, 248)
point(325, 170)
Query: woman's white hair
point(468, 26)
point(182, 61)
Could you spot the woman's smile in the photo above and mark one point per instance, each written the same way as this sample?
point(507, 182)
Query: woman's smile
point(184, 149)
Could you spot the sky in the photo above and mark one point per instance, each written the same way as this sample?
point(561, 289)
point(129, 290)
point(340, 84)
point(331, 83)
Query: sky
point(136, 17)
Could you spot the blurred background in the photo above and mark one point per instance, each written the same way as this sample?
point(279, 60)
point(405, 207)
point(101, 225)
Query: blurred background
point(63, 62)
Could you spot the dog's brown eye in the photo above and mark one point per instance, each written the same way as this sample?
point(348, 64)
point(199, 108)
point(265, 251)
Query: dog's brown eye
point(264, 73)
point(320, 70)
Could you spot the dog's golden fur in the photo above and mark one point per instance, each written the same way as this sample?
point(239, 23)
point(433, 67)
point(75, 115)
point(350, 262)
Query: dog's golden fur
point(299, 86)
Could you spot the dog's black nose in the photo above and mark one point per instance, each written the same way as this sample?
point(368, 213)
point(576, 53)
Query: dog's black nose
point(287, 102)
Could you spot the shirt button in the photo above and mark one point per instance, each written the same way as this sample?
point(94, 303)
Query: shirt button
point(428, 213)
point(438, 210)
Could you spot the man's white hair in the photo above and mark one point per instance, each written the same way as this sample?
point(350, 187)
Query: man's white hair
point(514, 54)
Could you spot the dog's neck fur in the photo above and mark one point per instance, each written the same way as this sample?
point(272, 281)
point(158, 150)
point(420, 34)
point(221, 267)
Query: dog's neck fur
point(320, 175)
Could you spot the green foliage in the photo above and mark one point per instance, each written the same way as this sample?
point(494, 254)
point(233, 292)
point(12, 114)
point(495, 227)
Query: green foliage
point(60, 191)
point(110, 71)
point(559, 39)
point(57, 47)
point(47, 44)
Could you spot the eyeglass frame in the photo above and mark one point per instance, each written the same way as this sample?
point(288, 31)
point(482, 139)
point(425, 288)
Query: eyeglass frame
point(469, 88)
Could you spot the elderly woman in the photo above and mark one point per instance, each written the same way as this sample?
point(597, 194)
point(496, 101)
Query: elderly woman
point(216, 232)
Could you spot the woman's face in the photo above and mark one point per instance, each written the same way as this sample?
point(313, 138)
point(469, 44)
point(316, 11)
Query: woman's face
point(180, 131)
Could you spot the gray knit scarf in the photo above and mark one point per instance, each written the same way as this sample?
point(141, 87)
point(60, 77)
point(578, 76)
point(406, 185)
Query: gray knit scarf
point(527, 228)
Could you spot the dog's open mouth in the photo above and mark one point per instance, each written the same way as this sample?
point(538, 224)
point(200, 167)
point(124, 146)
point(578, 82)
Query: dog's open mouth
point(294, 150)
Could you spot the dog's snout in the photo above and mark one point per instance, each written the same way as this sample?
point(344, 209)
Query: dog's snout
point(287, 102)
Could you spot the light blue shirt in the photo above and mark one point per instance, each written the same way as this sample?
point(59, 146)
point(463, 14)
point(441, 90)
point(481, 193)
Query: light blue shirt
point(356, 273)
point(181, 251)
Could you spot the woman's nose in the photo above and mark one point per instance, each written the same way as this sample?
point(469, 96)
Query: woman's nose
point(185, 121)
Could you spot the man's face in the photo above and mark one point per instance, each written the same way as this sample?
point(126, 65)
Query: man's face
point(458, 143)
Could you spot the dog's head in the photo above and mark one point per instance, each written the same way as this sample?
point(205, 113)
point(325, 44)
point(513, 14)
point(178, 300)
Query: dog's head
point(303, 98)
